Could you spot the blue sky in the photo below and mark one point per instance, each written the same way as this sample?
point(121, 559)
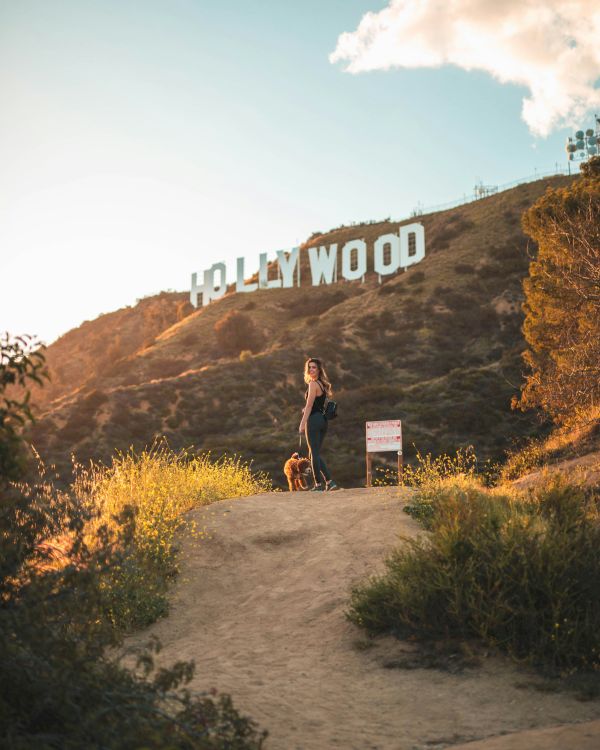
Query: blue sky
point(140, 142)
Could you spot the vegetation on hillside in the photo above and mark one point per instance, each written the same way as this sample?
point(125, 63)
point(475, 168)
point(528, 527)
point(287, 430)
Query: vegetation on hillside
point(236, 332)
point(562, 323)
point(22, 363)
point(157, 487)
point(438, 346)
point(64, 559)
point(562, 299)
point(520, 572)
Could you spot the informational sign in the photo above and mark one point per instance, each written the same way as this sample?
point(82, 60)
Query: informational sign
point(384, 436)
point(390, 253)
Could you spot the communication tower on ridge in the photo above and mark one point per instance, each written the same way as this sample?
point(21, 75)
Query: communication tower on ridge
point(481, 191)
point(584, 144)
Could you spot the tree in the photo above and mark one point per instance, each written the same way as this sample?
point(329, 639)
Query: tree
point(22, 360)
point(562, 300)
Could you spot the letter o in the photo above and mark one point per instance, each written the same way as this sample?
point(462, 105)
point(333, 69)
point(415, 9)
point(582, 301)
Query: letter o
point(360, 246)
point(394, 241)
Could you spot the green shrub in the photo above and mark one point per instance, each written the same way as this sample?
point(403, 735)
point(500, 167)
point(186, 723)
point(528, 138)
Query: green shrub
point(159, 486)
point(22, 362)
point(522, 573)
point(523, 460)
point(63, 685)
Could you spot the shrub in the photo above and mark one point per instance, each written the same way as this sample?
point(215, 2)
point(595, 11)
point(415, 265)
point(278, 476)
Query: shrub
point(315, 304)
point(93, 400)
point(160, 486)
point(165, 367)
point(519, 572)
point(22, 361)
point(63, 685)
point(415, 277)
point(523, 460)
point(235, 332)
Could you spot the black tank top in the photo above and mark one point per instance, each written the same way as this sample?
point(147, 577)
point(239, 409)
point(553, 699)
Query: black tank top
point(319, 402)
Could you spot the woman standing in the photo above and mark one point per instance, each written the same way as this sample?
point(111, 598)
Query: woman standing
point(313, 422)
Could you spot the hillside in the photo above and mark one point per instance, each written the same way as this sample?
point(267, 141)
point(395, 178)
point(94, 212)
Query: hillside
point(92, 348)
point(277, 639)
point(437, 346)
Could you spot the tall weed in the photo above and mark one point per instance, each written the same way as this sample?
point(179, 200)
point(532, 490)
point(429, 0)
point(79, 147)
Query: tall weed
point(158, 486)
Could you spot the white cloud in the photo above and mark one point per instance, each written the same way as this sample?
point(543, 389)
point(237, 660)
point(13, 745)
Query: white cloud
point(550, 46)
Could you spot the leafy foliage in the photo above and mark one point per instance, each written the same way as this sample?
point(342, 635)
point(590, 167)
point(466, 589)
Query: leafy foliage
point(63, 684)
point(562, 323)
point(158, 486)
point(521, 573)
point(22, 362)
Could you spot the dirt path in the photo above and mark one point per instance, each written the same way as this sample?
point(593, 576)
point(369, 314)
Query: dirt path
point(259, 607)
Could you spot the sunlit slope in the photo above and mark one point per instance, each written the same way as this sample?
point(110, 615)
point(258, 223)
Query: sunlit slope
point(92, 349)
point(438, 346)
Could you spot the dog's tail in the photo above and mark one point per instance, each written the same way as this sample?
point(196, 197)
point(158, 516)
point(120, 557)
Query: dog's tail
point(295, 455)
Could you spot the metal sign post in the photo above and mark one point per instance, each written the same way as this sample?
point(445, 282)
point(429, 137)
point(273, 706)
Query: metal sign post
point(382, 437)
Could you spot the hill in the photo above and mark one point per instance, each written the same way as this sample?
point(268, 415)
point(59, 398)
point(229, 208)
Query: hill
point(277, 639)
point(437, 346)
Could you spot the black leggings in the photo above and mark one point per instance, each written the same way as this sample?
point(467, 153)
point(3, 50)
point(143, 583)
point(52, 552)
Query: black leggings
point(316, 429)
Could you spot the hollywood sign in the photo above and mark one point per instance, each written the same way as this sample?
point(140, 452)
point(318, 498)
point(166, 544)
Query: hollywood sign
point(390, 253)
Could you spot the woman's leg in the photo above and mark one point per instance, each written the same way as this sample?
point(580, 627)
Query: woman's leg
point(313, 439)
point(323, 466)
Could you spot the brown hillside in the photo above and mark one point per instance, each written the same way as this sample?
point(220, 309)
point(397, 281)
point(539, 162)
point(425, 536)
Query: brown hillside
point(93, 348)
point(438, 346)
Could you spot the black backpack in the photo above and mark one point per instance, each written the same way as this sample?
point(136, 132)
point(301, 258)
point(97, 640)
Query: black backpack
point(330, 408)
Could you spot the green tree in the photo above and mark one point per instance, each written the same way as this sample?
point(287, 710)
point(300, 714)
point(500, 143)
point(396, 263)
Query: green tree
point(562, 300)
point(22, 361)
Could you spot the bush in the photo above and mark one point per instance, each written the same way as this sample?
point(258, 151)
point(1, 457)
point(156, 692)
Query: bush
point(22, 361)
point(519, 572)
point(62, 559)
point(416, 277)
point(235, 332)
point(523, 460)
point(159, 486)
point(63, 685)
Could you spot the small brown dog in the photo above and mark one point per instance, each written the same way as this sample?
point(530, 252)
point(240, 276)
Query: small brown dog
point(296, 469)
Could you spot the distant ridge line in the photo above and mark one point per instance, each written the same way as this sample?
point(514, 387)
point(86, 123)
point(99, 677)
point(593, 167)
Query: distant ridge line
point(420, 210)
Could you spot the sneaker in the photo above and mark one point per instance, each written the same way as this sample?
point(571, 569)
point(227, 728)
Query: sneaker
point(317, 488)
point(331, 485)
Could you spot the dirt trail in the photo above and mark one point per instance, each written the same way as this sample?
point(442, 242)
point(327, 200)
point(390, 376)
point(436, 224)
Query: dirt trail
point(260, 608)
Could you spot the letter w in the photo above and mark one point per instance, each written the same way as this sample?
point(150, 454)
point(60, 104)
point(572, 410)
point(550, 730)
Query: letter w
point(323, 263)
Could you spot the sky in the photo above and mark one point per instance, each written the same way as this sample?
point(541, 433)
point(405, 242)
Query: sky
point(141, 142)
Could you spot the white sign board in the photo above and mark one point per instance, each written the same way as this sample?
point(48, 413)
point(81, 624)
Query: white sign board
point(384, 436)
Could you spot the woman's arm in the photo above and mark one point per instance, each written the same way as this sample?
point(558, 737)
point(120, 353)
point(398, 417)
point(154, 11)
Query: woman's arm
point(312, 392)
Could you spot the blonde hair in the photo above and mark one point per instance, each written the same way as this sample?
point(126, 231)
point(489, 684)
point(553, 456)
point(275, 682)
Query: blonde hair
point(322, 376)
